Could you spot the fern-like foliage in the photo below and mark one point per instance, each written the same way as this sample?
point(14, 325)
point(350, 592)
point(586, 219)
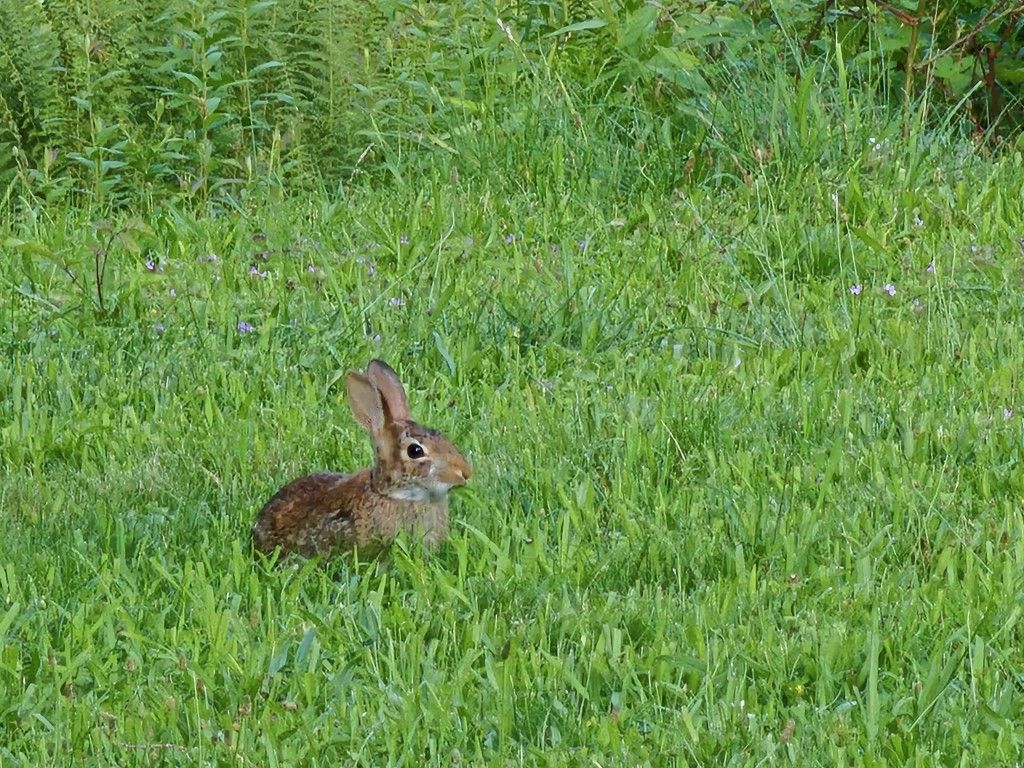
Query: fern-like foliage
point(108, 99)
point(120, 102)
point(34, 114)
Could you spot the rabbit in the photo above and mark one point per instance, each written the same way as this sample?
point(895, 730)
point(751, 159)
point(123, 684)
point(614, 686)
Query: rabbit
point(406, 490)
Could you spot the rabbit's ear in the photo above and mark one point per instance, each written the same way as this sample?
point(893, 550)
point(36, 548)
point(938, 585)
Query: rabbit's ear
point(364, 400)
point(392, 394)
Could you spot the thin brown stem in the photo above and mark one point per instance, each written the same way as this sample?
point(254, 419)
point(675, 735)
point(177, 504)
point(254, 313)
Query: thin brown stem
point(900, 14)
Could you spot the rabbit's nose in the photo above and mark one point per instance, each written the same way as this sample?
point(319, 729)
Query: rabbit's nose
point(464, 470)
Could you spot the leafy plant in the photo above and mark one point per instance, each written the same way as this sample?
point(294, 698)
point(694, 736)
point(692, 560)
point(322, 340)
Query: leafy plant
point(126, 104)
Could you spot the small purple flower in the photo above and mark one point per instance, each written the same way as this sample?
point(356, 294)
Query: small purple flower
point(917, 221)
point(371, 267)
point(583, 244)
point(469, 242)
point(930, 269)
point(210, 258)
point(396, 301)
point(1007, 414)
point(159, 328)
point(151, 265)
point(509, 239)
point(890, 289)
point(172, 293)
point(404, 239)
point(256, 272)
point(311, 269)
point(856, 288)
point(244, 327)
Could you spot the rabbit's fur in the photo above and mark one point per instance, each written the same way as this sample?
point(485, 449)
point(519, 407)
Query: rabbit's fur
point(407, 488)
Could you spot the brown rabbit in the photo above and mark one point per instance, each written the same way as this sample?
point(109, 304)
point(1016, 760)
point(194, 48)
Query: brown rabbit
point(407, 489)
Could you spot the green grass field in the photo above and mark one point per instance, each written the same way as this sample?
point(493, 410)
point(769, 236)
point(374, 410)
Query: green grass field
point(746, 448)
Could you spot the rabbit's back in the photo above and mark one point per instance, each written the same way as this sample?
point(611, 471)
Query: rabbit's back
point(314, 514)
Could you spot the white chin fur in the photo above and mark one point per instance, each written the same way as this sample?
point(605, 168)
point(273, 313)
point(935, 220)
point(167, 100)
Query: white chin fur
point(435, 492)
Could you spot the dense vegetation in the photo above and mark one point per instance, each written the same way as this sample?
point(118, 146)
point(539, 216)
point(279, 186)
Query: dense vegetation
point(723, 301)
point(125, 103)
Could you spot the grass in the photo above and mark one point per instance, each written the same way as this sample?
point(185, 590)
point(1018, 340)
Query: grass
point(725, 511)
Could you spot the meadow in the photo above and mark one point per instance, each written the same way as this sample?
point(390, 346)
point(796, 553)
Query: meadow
point(741, 388)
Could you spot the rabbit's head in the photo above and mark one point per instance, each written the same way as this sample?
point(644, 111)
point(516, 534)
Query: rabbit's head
point(413, 462)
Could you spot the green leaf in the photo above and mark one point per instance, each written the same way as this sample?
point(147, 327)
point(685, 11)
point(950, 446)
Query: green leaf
point(8, 618)
point(265, 66)
point(638, 28)
point(579, 26)
point(190, 77)
point(304, 646)
point(442, 349)
point(278, 661)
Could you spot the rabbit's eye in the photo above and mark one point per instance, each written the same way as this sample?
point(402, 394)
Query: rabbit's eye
point(415, 451)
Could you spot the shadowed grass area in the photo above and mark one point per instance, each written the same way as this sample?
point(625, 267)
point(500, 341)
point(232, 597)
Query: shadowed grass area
point(746, 459)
